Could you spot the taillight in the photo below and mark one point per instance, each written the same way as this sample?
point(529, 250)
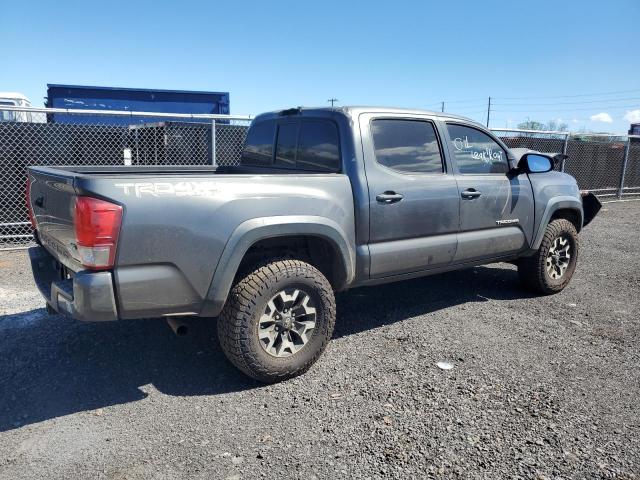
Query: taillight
point(32, 219)
point(97, 226)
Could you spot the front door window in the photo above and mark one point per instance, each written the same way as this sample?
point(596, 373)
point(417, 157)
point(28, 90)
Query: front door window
point(476, 152)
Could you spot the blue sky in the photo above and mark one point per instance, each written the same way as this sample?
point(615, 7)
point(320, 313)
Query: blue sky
point(543, 60)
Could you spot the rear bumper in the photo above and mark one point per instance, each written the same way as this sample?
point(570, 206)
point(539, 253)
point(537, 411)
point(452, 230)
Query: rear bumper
point(87, 296)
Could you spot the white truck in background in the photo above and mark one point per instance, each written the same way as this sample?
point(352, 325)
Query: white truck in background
point(14, 99)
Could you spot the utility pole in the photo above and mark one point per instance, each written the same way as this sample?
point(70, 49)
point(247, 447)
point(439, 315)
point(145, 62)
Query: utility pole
point(442, 110)
point(332, 100)
point(488, 111)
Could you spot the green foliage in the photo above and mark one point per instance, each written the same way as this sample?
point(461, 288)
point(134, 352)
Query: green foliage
point(550, 125)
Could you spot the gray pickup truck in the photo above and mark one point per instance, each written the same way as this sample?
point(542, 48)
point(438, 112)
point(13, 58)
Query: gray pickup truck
point(323, 200)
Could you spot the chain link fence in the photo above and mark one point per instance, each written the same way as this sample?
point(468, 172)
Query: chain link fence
point(607, 165)
point(103, 138)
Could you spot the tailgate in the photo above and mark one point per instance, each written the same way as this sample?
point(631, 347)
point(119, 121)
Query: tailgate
point(52, 197)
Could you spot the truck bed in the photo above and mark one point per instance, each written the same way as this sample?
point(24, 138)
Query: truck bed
point(177, 222)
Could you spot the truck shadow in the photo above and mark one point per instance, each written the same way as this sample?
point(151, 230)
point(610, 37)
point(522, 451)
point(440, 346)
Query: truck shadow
point(370, 307)
point(52, 366)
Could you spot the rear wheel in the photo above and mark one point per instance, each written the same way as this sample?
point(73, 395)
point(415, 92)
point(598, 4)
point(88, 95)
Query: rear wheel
point(277, 320)
point(550, 269)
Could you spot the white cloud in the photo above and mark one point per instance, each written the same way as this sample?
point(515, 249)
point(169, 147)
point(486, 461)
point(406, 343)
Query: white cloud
point(601, 117)
point(632, 116)
point(575, 120)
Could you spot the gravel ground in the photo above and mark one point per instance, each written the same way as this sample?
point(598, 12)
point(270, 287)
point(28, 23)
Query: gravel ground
point(541, 387)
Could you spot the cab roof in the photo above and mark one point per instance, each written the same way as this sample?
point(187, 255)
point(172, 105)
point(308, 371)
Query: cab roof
point(354, 111)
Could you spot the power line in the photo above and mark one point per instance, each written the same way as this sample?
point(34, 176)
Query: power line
point(471, 105)
point(604, 107)
point(579, 102)
point(464, 101)
point(570, 96)
point(465, 111)
point(468, 103)
point(462, 107)
point(476, 102)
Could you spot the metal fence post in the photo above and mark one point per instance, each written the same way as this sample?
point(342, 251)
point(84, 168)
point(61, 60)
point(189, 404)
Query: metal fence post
point(564, 149)
point(213, 142)
point(627, 147)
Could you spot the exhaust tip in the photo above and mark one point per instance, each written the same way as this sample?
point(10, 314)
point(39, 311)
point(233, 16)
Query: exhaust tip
point(182, 330)
point(178, 327)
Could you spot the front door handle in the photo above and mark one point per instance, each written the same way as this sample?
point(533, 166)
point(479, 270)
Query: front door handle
point(470, 193)
point(389, 197)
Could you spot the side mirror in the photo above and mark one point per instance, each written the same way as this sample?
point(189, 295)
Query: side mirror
point(535, 163)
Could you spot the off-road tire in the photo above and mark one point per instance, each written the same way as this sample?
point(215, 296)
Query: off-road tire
point(533, 270)
point(238, 322)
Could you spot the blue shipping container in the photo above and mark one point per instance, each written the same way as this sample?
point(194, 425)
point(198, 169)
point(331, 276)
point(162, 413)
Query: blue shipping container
point(130, 99)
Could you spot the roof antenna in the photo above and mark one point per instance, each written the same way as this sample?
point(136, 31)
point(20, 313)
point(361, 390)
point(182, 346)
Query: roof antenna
point(332, 100)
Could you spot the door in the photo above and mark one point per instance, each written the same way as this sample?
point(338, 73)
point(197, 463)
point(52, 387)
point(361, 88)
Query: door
point(496, 205)
point(413, 197)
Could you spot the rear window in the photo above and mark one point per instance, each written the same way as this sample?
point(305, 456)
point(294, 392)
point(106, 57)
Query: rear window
point(286, 145)
point(318, 147)
point(258, 148)
point(310, 145)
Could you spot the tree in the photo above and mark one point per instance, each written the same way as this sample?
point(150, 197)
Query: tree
point(531, 125)
point(557, 126)
point(550, 125)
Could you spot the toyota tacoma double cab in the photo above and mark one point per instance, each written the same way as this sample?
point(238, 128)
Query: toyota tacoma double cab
point(323, 200)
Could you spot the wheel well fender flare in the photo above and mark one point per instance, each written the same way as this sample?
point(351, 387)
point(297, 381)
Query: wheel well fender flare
point(256, 229)
point(555, 204)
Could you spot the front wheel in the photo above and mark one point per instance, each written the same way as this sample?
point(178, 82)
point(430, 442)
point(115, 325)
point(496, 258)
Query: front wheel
point(277, 320)
point(550, 269)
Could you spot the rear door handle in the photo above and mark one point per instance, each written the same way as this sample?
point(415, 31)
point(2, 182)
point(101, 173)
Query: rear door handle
point(471, 193)
point(389, 197)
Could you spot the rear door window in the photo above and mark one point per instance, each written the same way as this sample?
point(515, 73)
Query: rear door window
point(408, 146)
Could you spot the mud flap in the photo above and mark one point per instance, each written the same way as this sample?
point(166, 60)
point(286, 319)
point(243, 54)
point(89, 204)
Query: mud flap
point(591, 206)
